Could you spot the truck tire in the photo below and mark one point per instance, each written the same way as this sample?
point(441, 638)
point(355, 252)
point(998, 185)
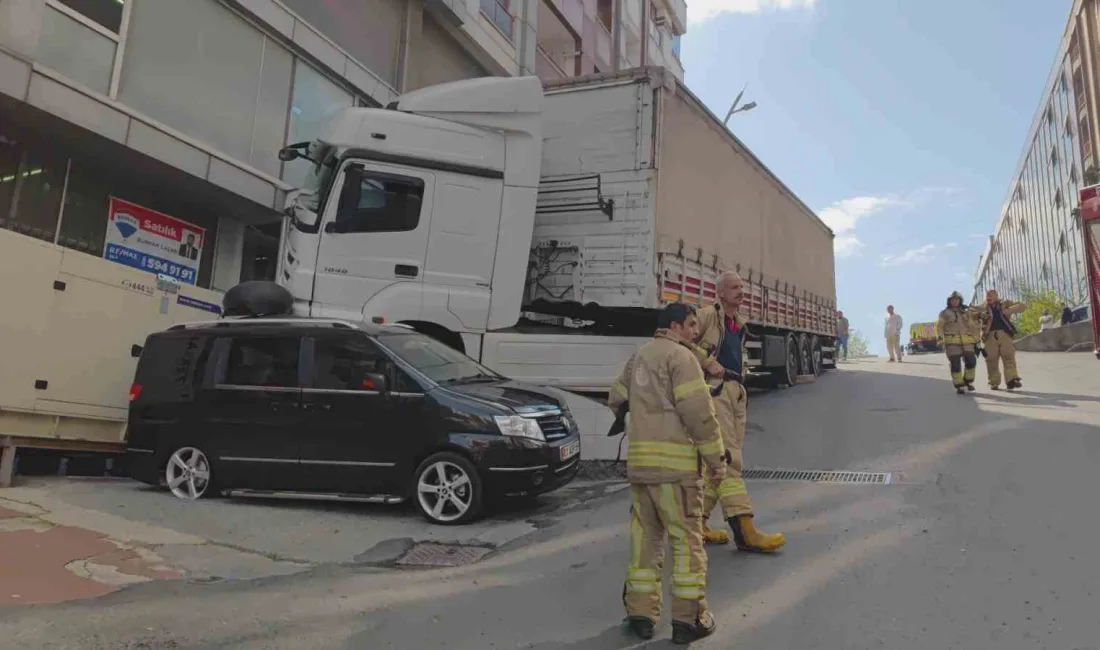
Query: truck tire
point(815, 356)
point(805, 355)
point(788, 374)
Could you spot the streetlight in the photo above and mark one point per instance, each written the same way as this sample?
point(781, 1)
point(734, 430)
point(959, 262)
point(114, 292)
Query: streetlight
point(734, 109)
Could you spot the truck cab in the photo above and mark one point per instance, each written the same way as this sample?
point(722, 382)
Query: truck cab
point(421, 212)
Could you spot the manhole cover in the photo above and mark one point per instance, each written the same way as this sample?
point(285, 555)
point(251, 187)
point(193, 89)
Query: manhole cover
point(442, 555)
point(818, 476)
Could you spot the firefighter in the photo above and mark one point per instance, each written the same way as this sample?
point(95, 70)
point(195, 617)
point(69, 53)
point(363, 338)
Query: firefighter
point(672, 432)
point(997, 334)
point(956, 331)
point(719, 350)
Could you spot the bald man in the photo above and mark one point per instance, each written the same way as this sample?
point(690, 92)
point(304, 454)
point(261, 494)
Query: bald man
point(719, 349)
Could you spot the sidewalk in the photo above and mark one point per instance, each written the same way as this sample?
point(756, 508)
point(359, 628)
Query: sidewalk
point(42, 561)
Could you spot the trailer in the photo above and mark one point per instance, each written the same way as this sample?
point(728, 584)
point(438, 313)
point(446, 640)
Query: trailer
point(561, 220)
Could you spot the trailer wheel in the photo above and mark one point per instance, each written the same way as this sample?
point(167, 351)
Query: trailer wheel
point(805, 355)
point(790, 370)
point(815, 356)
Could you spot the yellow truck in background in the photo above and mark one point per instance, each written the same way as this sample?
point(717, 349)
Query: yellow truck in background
point(923, 338)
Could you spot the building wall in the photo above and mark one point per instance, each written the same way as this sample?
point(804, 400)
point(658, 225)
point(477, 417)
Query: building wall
point(1037, 243)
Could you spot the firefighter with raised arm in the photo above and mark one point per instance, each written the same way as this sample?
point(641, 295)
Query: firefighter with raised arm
point(997, 334)
point(672, 434)
point(719, 350)
point(955, 327)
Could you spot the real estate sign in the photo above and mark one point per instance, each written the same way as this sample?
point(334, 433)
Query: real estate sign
point(151, 241)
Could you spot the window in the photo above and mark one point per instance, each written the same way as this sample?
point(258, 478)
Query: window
point(36, 189)
point(315, 100)
point(344, 363)
point(77, 50)
point(497, 11)
point(199, 68)
point(676, 45)
point(106, 13)
point(1058, 198)
point(605, 11)
point(271, 361)
point(385, 203)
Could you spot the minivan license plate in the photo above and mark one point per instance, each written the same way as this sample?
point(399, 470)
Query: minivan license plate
point(570, 450)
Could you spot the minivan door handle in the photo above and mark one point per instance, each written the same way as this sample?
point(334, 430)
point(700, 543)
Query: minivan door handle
point(406, 271)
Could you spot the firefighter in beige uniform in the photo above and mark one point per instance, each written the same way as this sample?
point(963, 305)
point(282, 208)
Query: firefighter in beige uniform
point(997, 333)
point(955, 327)
point(719, 349)
point(672, 432)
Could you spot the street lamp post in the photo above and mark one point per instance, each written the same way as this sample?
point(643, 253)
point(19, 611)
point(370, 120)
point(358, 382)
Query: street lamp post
point(734, 108)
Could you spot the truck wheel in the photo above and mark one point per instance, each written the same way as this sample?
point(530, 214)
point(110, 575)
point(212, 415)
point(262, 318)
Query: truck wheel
point(789, 373)
point(815, 356)
point(805, 355)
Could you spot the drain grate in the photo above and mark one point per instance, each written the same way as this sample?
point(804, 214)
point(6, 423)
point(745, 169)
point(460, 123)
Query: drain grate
point(442, 555)
point(818, 476)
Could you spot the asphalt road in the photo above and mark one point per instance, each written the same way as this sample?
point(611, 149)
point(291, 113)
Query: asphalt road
point(986, 537)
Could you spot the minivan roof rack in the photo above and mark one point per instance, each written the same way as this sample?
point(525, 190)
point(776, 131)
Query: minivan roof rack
point(230, 322)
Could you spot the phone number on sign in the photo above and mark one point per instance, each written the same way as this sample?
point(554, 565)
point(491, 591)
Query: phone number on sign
point(169, 269)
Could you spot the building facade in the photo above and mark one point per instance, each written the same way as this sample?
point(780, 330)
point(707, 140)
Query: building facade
point(179, 108)
point(1037, 243)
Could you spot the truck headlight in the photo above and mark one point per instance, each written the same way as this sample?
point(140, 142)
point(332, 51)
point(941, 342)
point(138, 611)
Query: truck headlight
point(520, 427)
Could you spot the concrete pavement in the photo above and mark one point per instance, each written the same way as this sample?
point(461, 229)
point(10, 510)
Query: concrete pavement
point(985, 540)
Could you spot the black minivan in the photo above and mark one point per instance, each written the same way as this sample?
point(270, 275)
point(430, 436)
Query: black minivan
point(312, 408)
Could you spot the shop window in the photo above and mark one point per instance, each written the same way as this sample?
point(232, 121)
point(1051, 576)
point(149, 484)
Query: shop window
point(39, 182)
point(260, 252)
point(84, 217)
point(315, 101)
point(105, 13)
point(76, 50)
point(386, 203)
point(10, 155)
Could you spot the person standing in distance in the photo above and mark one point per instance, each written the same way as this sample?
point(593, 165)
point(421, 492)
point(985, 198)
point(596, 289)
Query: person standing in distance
point(842, 331)
point(893, 333)
point(672, 433)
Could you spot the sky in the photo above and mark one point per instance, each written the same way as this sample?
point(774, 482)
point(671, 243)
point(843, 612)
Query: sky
point(899, 122)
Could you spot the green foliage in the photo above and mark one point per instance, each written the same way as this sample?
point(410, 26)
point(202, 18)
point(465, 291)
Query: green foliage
point(857, 344)
point(1037, 301)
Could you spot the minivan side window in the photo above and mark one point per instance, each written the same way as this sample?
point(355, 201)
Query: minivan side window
point(262, 361)
point(386, 203)
point(343, 363)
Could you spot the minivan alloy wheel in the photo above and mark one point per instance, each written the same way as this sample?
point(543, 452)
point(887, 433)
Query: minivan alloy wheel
point(445, 491)
point(188, 473)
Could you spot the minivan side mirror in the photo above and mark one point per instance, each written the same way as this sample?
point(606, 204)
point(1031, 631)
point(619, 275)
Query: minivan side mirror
point(376, 382)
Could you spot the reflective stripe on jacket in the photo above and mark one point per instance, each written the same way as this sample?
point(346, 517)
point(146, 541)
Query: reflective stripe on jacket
point(956, 327)
point(672, 422)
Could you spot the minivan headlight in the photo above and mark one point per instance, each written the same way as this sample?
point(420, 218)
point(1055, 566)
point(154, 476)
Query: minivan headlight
point(520, 427)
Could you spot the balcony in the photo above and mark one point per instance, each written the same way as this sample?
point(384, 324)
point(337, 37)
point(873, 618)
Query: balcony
point(497, 12)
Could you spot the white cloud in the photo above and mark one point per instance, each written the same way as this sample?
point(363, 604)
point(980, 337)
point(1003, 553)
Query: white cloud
point(703, 10)
point(918, 255)
point(846, 245)
point(843, 216)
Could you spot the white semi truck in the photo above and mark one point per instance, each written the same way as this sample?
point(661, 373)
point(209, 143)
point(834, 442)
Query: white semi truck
point(540, 229)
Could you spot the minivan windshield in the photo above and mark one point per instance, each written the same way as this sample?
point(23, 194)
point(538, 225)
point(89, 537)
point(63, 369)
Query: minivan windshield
point(438, 361)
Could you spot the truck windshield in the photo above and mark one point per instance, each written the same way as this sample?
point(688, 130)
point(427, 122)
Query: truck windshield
point(319, 179)
point(438, 361)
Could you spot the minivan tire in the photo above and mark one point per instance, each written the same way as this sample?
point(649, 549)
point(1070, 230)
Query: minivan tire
point(451, 478)
point(193, 473)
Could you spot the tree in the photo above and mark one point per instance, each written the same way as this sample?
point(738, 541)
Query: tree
point(857, 345)
point(1037, 302)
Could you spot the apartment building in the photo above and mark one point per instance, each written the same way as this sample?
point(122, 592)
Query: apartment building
point(1037, 243)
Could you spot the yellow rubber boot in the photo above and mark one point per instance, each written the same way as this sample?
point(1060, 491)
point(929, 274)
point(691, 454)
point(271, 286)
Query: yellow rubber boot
point(748, 538)
point(712, 536)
